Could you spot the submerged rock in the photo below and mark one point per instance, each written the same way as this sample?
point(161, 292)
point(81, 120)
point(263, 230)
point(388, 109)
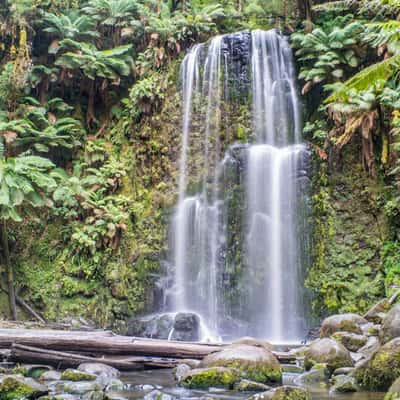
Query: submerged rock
point(342, 323)
point(254, 363)
point(17, 387)
point(204, 378)
point(283, 393)
point(382, 368)
point(391, 325)
point(327, 351)
point(352, 341)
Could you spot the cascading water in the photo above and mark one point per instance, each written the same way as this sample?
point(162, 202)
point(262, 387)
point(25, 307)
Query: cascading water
point(251, 286)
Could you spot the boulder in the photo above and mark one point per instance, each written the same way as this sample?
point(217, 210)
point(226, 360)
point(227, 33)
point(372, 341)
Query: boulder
point(99, 369)
point(283, 393)
point(186, 327)
point(155, 326)
point(254, 342)
point(352, 341)
point(343, 371)
point(313, 376)
point(394, 391)
point(77, 375)
point(114, 385)
point(97, 395)
point(342, 323)
point(381, 369)
point(17, 387)
point(371, 329)
point(254, 363)
point(375, 313)
point(344, 384)
point(391, 325)
point(114, 396)
point(250, 386)
point(204, 378)
point(63, 396)
point(35, 371)
point(78, 388)
point(327, 351)
point(157, 395)
point(50, 376)
point(370, 347)
point(180, 371)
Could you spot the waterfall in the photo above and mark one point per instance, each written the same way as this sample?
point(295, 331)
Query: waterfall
point(251, 286)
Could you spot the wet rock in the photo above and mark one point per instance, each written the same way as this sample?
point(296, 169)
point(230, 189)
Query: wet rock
point(327, 351)
point(114, 385)
point(186, 327)
point(375, 313)
point(313, 376)
point(342, 323)
point(250, 386)
point(255, 342)
point(158, 395)
point(79, 387)
point(381, 369)
point(351, 341)
point(371, 329)
point(283, 393)
point(180, 371)
point(63, 396)
point(344, 384)
point(99, 369)
point(370, 347)
point(154, 326)
point(391, 325)
point(254, 363)
point(394, 391)
point(93, 396)
point(77, 375)
point(204, 378)
point(114, 396)
point(343, 371)
point(17, 387)
point(50, 376)
point(292, 369)
point(36, 371)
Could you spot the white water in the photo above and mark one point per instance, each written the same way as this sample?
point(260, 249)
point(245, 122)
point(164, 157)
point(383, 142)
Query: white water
point(272, 283)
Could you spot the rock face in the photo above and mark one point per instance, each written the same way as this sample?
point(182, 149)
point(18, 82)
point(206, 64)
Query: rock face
point(391, 325)
point(255, 363)
point(352, 341)
point(16, 387)
point(342, 323)
point(329, 352)
point(283, 393)
point(381, 370)
point(203, 378)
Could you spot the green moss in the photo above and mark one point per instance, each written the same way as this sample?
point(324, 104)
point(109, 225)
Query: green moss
point(14, 389)
point(211, 377)
point(76, 376)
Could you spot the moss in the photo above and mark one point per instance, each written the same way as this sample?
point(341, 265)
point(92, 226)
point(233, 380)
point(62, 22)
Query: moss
point(76, 376)
point(211, 377)
point(14, 389)
point(291, 393)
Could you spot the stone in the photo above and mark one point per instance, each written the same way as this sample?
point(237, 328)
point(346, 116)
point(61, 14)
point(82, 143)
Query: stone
point(343, 371)
point(204, 378)
point(180, 371)
point(283, 393)
point(80, 387)
point(97, 395)
point(250, 386)
point(328, 351)
point(17, 387)
point(50, 376)
point(114, 396)
point(370, 347)
point(254, 342)
point(62, 396)
point(394, 391)
point(99, 370)
point(77, 375)
point(391, 325)
point(186, 327)
point(254, 363)
point(342, 323)
point(114, 385)
point(36, 371)
point(381, 369)
point(370, 329)
point(352, 341)
point(157, 395)
point(344, 384)
point(313, 376)
point(292, 369)
point(374, 314)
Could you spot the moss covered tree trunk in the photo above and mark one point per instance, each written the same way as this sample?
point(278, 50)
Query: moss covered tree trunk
point(9, 270)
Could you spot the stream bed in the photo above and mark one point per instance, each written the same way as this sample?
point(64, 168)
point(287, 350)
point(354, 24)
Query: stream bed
point(138, 384)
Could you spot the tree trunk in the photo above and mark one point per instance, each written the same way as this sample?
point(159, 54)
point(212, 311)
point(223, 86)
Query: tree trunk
point(305, 10)
point(90, 116)
point(9, 270)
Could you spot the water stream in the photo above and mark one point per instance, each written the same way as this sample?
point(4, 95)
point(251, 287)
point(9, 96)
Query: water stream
point(252, 285)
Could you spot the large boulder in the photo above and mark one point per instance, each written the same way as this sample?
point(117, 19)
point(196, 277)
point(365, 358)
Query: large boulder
point(255, 363)
point(352, 341)
point(77, 375)
point(204, 378)
point(17, 387)
point(329, 352)
point(186, 327)
point(382, 368)
point(342, 323)
point(99, 369)
point(391, 325)
point(394, 391)
point(254, 342)
point(374, 314)
point(283, 393)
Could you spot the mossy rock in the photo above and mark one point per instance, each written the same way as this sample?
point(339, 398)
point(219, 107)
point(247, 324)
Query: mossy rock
point(344, 384)
point(352, 341)
point(254, 342)
point(329, 352)
point(16, 387)
point(254, 363)
point(394, 391)
point(204, 378)
point(283, 393)
point(382, 369)
point(374, 314)
point(77, 376)
point(249, 386)
point(391, 325)
point(342, 323)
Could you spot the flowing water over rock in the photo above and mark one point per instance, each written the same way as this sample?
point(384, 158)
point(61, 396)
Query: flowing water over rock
point(238, 237)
